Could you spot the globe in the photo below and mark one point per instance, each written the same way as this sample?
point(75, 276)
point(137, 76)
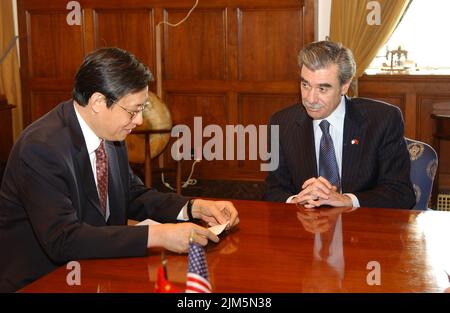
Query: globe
point(156, 116)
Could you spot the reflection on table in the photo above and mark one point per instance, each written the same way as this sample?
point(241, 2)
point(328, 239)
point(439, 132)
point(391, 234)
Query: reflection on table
point(284, 248)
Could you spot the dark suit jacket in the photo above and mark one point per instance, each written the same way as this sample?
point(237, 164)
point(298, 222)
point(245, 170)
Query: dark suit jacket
point(49, 206)
point(376, 169)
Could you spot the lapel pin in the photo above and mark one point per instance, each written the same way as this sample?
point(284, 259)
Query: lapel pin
point(355, 141)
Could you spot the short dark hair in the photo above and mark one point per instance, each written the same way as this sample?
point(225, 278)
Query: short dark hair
point(321, 54)
point(112, 72)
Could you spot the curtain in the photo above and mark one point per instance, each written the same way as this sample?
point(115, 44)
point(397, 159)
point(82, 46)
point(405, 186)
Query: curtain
point(9, 68)
point(349, 26)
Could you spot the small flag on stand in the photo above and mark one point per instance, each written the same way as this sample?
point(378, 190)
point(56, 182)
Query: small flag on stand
point(197, 276)
point(163, 285)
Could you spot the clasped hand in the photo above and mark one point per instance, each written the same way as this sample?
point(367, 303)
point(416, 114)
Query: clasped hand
point(319, 191)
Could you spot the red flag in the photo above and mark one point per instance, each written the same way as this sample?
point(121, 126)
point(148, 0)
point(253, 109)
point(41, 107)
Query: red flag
point(197, 276)
point(162, 284)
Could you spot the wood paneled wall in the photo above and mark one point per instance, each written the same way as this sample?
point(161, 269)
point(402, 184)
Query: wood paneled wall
point(415, 95)
point(233, 61)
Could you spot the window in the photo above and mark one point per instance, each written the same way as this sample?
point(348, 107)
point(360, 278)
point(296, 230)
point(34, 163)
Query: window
point(424, 33)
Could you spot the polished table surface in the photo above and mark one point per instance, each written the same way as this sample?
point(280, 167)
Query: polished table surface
point(284, 248)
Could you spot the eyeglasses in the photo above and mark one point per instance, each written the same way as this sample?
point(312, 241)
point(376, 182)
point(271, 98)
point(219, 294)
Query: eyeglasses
point(134, 113)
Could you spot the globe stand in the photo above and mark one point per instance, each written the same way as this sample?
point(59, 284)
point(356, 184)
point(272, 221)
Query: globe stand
point(148, 159)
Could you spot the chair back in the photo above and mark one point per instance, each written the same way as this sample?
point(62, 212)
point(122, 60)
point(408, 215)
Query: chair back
point(424, 162)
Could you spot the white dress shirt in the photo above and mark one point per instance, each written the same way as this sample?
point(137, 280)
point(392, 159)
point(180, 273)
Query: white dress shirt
point(92, 143)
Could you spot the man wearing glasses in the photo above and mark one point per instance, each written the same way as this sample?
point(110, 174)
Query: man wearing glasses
point(68, 189)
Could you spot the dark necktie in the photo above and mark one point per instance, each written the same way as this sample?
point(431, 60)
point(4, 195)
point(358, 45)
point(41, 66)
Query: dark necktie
point(101, 165)
point(328, 167)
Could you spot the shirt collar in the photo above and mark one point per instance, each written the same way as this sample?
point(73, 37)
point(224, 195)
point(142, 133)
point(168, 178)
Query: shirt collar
point(336, 118)
point(91, 139)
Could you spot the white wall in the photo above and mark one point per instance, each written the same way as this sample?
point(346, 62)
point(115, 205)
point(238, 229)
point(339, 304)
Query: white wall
point(323, 19)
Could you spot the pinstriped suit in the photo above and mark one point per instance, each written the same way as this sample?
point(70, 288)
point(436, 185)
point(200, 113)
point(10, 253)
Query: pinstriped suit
point(376, 169)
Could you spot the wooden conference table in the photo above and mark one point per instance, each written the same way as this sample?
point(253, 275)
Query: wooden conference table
point(283, 248)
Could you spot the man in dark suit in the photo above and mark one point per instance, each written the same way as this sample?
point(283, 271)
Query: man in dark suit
point(68, 189)
point(335, 150)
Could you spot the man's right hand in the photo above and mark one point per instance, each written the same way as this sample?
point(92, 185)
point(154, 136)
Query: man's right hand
point(175, 237)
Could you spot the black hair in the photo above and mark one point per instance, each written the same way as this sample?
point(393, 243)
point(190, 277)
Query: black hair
point(112, 72)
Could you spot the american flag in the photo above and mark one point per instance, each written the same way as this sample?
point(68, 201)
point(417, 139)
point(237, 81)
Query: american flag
point(197, 276)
